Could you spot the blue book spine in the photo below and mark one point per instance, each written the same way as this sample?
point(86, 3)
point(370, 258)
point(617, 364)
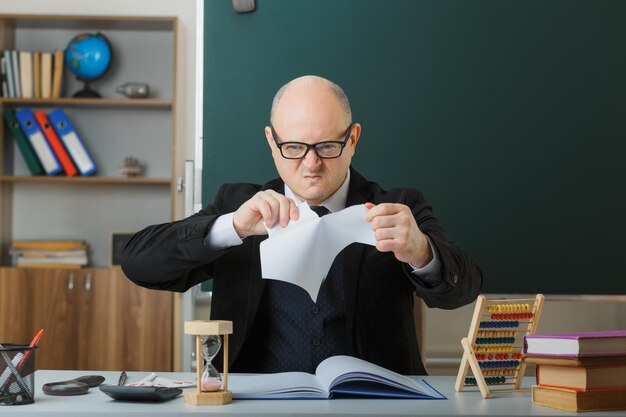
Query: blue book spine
point(38, 141)
point(72, 142)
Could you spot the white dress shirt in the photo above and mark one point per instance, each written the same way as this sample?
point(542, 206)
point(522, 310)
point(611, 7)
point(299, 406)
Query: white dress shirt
point(223, 235)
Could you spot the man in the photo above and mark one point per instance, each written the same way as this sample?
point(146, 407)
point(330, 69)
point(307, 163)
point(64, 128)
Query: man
point(364, 307)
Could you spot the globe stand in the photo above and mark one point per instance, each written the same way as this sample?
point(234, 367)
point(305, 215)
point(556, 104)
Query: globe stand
point(86, 92)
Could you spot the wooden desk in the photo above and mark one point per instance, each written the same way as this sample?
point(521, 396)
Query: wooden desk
point(96, 403)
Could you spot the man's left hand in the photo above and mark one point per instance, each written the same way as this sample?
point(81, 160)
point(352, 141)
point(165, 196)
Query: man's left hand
point(396, 231)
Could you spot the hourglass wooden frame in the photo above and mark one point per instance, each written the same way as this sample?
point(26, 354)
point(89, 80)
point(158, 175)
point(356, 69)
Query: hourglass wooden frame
point(496, 335)
point(201, 328)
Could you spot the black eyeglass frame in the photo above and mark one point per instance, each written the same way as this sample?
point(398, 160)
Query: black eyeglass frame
point(313, 146)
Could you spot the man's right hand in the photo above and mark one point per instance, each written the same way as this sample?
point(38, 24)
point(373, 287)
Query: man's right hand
point(262, 212)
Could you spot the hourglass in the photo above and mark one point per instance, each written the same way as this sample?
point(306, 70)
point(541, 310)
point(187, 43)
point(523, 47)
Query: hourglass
point(209, 389)
point(211, 379)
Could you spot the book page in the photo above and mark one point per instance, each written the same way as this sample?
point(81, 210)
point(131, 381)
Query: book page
point(352, 375)
point(275, 386)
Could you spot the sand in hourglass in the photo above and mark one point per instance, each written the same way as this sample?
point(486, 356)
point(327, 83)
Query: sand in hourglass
point(210, 389)
point(211, 379)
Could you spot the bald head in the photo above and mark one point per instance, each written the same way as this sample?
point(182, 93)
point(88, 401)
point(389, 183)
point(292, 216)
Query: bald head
point(309, 86)
point(312, 110)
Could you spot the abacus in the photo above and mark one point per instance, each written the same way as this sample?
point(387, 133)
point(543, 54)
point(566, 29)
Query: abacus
point(493, 348)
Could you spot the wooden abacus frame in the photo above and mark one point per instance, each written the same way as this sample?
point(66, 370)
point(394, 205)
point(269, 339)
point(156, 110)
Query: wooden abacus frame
point(518, 318)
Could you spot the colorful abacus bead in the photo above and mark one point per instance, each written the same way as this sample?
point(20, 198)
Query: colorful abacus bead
point(495, 380)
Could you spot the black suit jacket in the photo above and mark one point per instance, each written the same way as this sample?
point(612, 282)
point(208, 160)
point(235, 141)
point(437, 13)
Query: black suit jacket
point(379, 288)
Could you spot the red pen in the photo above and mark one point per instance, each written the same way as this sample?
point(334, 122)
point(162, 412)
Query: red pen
point(22, 362)
point(33, 343)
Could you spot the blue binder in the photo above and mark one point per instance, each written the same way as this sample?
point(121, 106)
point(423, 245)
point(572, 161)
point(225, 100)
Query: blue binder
point(74, 145)
point(38, 141)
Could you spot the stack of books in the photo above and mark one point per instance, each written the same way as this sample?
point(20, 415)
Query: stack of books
point(27, 74)
point(49, 253)
point(579, 371)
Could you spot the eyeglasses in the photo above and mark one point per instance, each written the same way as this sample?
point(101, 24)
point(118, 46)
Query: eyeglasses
point(329, 149)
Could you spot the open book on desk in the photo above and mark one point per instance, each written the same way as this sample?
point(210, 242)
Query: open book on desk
point(337, 375)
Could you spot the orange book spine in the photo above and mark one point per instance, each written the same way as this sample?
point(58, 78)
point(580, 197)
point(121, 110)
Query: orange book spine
point(55, 143)
point(538, 379)
point(583, 389)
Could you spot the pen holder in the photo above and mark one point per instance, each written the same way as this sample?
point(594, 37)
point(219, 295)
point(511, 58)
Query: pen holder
point(17, 374)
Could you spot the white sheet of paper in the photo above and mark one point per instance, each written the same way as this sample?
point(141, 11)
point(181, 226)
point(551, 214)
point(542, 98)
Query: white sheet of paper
point(303, 252)
point(154, 380)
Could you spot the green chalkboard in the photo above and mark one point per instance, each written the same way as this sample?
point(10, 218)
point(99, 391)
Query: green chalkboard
point(510, 116)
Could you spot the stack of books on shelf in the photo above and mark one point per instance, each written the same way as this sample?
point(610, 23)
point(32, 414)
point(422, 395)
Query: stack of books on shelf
point(27, 74)
point(579, 371)
point(48, 142)
point(49, 253)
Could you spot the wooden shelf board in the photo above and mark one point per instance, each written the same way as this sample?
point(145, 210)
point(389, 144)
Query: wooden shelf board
point(86, 180)
point(92, 102)
point(90, 268)
point(79, 21)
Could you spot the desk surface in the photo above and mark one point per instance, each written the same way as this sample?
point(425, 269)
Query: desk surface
point(467, 403)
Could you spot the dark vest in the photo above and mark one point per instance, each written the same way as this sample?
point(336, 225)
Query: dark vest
point(292, 333)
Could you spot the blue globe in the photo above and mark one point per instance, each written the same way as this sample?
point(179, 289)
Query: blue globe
point(88, 56)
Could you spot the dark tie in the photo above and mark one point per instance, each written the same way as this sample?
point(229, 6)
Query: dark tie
point(320, 210)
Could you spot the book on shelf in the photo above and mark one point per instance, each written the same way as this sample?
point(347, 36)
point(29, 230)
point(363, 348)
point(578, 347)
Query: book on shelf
point(73, 143)
point(576, 344)
point(334, 376)
point(55, 143)
point(46, 74)
point(57, 73)
point(22, 143)
point(33, 74)
point(37, 74)
point(49, 253)
point(8, 59)
point(17, 82)
point(48, 245)
point(50, 265)
point(28, 261)
point(3, 74)
point(26, 73)
point(574, 400)
point(37, 140)
point(77, 260)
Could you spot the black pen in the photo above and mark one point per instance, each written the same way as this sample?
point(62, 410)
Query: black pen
point(122, 380)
